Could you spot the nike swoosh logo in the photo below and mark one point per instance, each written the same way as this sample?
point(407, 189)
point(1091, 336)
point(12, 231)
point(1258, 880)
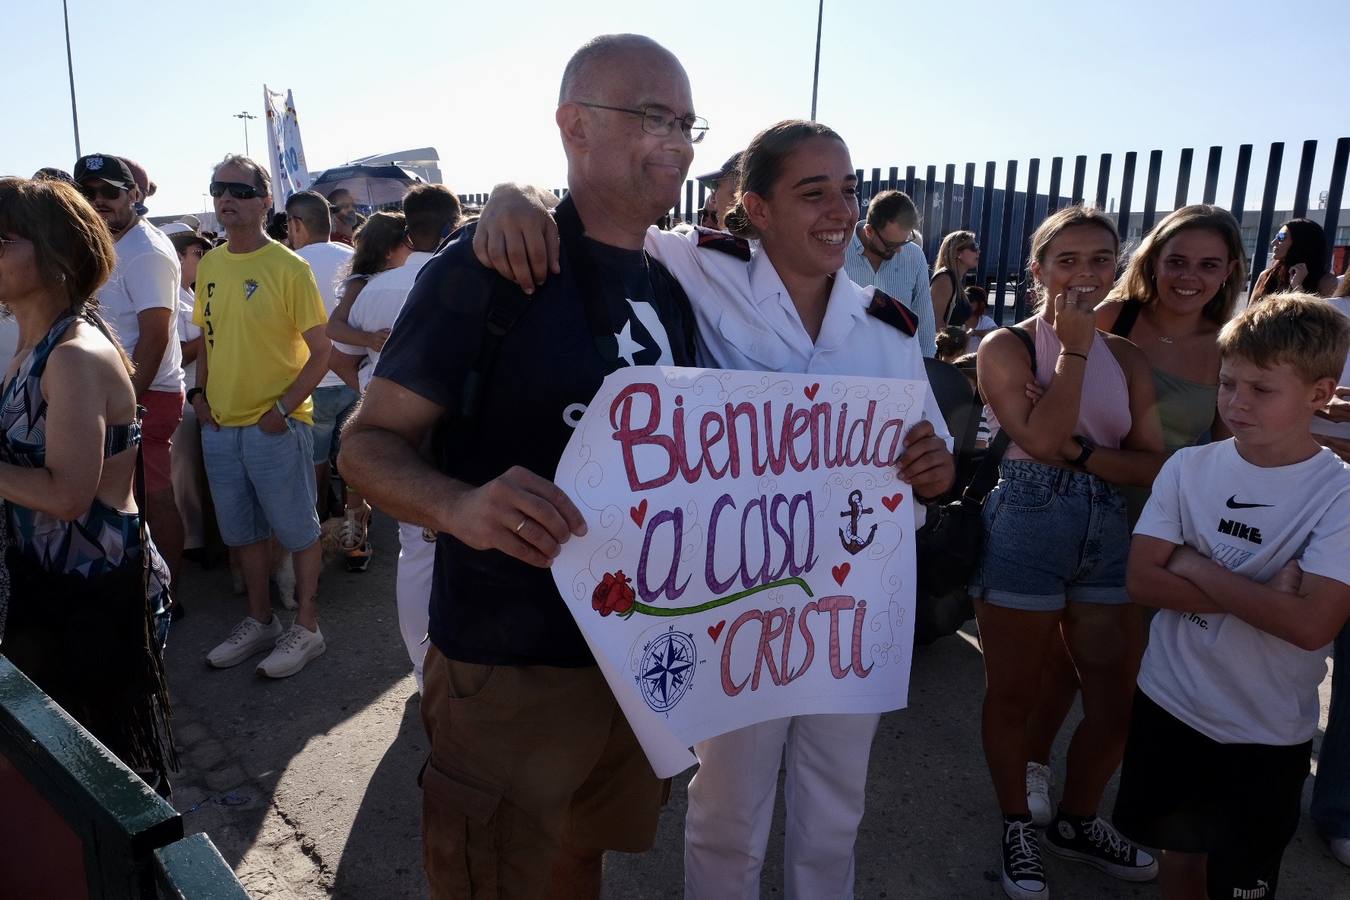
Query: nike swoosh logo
point(1234, 504)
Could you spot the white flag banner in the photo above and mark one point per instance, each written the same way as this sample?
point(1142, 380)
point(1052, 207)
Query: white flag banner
point(750, 550)
point(286, 153)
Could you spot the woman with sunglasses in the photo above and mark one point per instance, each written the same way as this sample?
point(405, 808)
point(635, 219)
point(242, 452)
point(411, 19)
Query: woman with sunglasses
point(1052, 567)
point(1298, 262)
point(86, 585)
point(959, 253)
point(787, 306)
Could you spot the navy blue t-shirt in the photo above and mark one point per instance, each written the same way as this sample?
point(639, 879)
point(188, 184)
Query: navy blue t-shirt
point(487, 607)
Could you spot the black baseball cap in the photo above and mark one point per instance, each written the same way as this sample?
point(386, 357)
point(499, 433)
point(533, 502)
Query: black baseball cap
point(732, 164)
point(105, 168)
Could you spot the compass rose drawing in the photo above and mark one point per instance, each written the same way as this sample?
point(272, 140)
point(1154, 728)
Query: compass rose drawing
point(667, 669)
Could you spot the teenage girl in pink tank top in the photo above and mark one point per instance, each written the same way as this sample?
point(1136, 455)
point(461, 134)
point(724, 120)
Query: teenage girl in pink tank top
point(1055, 540)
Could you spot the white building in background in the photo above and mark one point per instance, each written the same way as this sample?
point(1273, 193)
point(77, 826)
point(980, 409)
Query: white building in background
point(423, 161)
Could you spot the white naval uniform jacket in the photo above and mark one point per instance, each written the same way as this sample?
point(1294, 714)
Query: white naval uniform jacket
point(746, 319)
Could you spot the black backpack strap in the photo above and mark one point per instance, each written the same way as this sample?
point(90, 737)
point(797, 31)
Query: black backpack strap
point(507, 304)
point(1129, 314)
point(986, 476)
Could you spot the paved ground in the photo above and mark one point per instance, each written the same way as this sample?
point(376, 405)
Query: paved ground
point(308, 788)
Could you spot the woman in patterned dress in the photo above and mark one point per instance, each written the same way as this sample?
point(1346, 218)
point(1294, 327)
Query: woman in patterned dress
point(86, 584)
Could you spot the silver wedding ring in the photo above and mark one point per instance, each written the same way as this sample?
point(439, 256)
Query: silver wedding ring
point(523, 522)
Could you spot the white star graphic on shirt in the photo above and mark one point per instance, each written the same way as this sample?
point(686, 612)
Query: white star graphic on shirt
point(627, 346)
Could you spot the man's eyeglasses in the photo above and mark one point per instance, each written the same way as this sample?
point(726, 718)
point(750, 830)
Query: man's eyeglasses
point(888, 245)
point(659, 121)
point(104, 190)
point(237, 190)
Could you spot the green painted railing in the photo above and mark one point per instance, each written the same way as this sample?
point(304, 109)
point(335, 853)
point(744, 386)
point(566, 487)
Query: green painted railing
point(76, 823)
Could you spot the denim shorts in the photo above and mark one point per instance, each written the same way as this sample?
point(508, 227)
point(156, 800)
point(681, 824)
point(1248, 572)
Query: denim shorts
point(262, 484)
point(1051, 536)
point(329, 405)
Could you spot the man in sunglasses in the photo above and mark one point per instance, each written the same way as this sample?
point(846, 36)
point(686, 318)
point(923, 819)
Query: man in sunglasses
point(264, 320)
point(140, 301)
point(539, 773)
point(883, 252)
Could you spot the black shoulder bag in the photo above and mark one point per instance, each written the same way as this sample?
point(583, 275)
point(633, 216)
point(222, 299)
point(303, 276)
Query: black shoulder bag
point(947, 547)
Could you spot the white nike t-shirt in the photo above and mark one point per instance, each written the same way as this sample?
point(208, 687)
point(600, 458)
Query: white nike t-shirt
point(1213, 671)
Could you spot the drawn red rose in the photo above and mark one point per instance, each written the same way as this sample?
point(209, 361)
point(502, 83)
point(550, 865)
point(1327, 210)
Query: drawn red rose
point(613, 594)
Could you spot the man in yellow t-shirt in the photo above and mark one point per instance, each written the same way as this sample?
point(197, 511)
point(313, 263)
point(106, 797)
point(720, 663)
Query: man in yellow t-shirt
point(263, 320)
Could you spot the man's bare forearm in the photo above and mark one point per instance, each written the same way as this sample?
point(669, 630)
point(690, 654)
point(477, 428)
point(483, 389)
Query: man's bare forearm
point(146, 359)
point(394, 477)
point(310, 375)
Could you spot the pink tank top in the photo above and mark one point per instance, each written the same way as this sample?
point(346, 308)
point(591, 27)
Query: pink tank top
point(1104, 411)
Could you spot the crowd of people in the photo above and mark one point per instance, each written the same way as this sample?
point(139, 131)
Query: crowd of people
point(1168, 537)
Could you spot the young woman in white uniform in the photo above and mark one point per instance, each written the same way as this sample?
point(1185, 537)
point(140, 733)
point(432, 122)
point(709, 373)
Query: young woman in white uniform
point(784, 306)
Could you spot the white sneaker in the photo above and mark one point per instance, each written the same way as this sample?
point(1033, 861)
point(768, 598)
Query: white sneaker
point(1340, 848)
point(1039, 785)
point(297, 646)
point(248, 637)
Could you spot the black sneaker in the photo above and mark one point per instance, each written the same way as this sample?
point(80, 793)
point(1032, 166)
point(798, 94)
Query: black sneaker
point(1023, 874)
point(1095, 842)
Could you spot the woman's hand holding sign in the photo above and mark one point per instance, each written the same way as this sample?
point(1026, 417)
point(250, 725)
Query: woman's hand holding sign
point(518, 513)
point(926, 465)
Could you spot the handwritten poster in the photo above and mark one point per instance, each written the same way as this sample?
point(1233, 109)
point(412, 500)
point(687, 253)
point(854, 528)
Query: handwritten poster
point(750, 552)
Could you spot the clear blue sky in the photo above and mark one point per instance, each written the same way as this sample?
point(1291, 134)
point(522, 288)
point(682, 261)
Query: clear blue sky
point(904, 83)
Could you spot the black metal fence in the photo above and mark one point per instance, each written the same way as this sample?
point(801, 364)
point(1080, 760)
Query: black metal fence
point(1004, 216)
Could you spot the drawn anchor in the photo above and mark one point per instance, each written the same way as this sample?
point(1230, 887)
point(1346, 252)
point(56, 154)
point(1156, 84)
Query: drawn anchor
point(848, 536)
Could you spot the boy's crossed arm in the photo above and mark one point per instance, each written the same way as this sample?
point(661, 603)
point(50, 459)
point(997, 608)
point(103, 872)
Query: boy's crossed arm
point(1150, 582)
point(1305, 609)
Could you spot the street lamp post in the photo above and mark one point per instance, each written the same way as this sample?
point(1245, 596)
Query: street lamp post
point(815, 79)
point(70, 68)
point(245, 116)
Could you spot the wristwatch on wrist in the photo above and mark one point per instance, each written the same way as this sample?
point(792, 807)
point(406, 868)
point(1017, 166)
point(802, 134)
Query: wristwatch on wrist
point(280, 408)
point(1088, 447)
point(192, 394)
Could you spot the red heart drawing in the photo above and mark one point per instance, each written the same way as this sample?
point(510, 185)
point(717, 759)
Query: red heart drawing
point(810, 392)
point(840, 572)
point(715, 631)
point(639, 513)
point(892, 501)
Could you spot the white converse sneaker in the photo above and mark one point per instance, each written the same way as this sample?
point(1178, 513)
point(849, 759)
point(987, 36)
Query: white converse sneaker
point(297, 646)
point(247, 638)
point(1040, 783)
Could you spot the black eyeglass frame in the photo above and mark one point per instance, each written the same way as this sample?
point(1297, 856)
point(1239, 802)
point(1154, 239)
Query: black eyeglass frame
point(659, 121)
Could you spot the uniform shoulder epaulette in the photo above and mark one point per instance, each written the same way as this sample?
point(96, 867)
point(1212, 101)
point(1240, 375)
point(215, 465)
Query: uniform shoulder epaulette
point(892, 312)
point(725, 243)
